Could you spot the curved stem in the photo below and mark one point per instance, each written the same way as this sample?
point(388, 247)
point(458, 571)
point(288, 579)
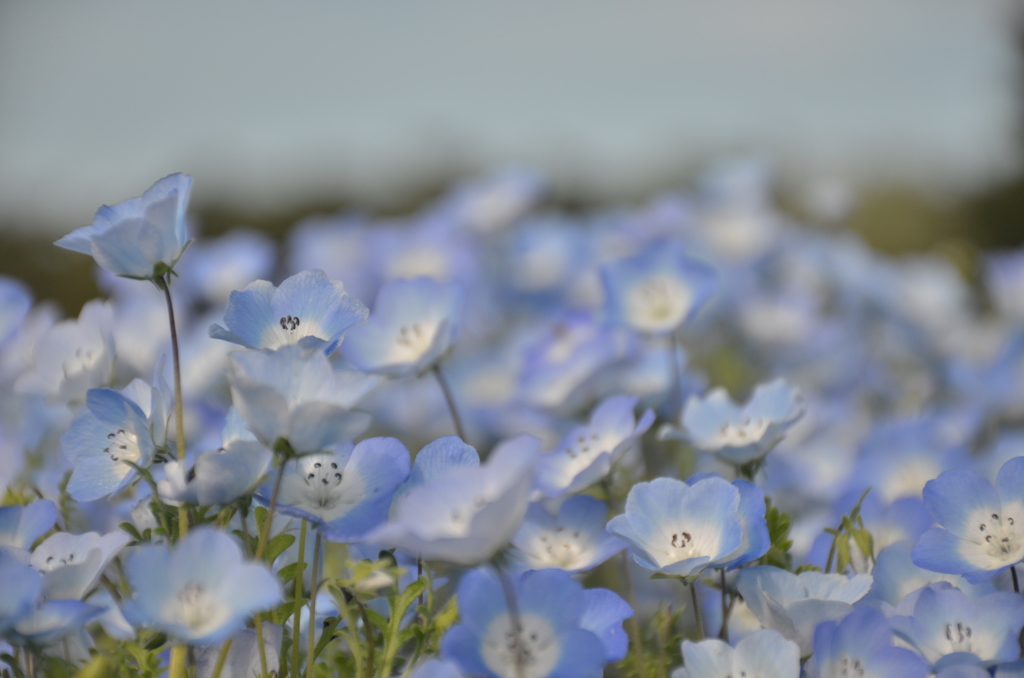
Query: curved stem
point(723, 633)
point(1016, 584)
point(179, 408)
point(261, 546)
point(311, 637)
point(371, 642)
point(446, 390)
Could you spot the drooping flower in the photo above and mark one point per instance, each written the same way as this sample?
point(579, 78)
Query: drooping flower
point(141, 237)
point(982, 527)
point(413, 324)
point(201, 591)
point(115, 428)
point(794, 604)
point(308, 309)
point(656, 291)
point(20, 526)
point(763, 653)
point(295, 395)
point(736, 434)
point(543, 638)
point(72, 563)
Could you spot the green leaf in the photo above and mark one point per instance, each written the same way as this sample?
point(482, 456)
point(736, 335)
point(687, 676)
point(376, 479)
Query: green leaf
point(864, 542)
point(290, 572)
point(842, 554)
point(277, 546)
point(261, 515)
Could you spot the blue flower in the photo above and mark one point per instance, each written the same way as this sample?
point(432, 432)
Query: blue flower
point(862, 644)
point(575, 540)
point(982, 527)
point(412, 326)
point(295, 395)
point(543, 640)
point(763, 653)
point(435, 460)
point(348, 493)
point(656, 291)
point(587, 453)
point(21, 526)
point(307, 309)
point(201, 591)
point(22, 586)
point(794, 604)
point(467, 514)
point(680, 529)
point(138, 238)
point(940, 620)
point(115, 428)
point(603, 614)
point(737, 434)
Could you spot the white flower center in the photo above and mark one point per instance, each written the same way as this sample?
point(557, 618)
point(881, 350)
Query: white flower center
point(196, 607)
point(323, 483)
point(84, 360)
point(958, 636)
point(412, 341)
point(741, 433)
point(851, 667)
point(1000, 538)
point(55, 561)
point(658, 304)
point(123, 445)
point(562, 548)
point(529, 651)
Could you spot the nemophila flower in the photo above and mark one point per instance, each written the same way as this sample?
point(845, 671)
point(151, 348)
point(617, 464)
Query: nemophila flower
point(494, 202)
point(940, 620)
point(736, 434)
point(468, 514)
point(307, 309)
point(295, 395)
point(764, 653)
point(558, 366)
point(794, 604)
point(542, 640)
point(15, 303)
point(896, 576)
point(72, 563)
point(218, 477)
point(22, 585)
point(115, 428)
point(413, 324)
point(981, 529)
point(656, 291)
point(681, 529)
point(603, 614)
point(587, 453)
point(217, 267)
point(200, 592)
point(72, 356)
point(138, 238)
point(862, 645)
point(21, 526)
point(347, 492)
point(435, 460)
point(575, 540)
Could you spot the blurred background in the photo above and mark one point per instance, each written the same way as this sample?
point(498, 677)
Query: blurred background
point(905, 118)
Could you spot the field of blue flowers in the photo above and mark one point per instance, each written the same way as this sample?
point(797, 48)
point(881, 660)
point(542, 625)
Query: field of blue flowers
point(692, 438)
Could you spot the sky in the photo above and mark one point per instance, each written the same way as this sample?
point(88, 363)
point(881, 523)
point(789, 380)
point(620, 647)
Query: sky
point(269, 103)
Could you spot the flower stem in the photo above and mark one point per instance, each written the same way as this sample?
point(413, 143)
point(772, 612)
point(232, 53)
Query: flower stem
point(697, 618)
point(447, 391)
point(179, 653)
point(221, 658)
point(723, 633)
point(261, 546)
point(675, 391)
point(164, 283)
point(517, 624)
point(1016, 584)
point(297, 618)
point(311, 637)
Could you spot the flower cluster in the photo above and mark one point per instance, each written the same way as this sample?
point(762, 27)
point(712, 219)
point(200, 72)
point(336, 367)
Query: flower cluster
point(492, 439)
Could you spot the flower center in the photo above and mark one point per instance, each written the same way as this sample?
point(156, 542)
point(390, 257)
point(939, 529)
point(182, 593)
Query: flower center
point(53, 562)
point(851, 666)
point(289, 323)
point(196, 605)
point(658, 303)
point(529, 649)
point(414, 339)
point(323, 480)
point(1000, 536)
point(742, 433)
point(562, 548)
point(958, 635)
point(122, 444)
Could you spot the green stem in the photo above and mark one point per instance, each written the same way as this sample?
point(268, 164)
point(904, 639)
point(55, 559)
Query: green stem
point(179, 407)
point(261, 546)
point(697, 617)
point(313, 588)
point(371, 642)
point(179, 653)
point(221, 658)
point(635, 635)
point(297, 617)
point(723, 633)
point(447, 391)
